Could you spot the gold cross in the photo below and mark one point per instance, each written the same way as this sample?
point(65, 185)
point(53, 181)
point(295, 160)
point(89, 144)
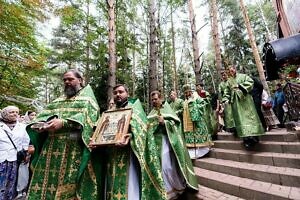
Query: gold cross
point(74, 155)
point(121, 164)
point(44, 152)
point(53, 172)
point(52, 189)
point(36, 187)
point(56, 153)
point(119, 195)
point(72, 169)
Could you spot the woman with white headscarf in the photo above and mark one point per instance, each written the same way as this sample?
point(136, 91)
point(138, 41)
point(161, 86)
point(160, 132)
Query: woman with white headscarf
point(13, 138)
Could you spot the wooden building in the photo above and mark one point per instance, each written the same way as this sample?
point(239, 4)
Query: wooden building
point(288, 17)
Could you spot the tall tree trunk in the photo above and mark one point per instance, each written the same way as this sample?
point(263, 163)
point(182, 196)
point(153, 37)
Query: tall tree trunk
point(173, 52)
point(254, 47)
point(268, 36)
point(226, 60)
point(146, 82)
point(153, 84)
point(160, 56)
point(163, 92)
point(133, 68)
point(87, 70)
point(196, 54)
point(111, 81)
point(215, 35)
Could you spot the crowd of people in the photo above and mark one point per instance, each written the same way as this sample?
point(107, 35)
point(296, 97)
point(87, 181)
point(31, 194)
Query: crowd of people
point(153, 160)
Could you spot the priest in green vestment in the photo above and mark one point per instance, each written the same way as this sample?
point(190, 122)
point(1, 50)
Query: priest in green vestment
point(63, 166)
point(197, 138)
point(228, 118)
point(247, 122)
point(209, 114)
point(133, 167)
point(177, 167)
point(176, 103)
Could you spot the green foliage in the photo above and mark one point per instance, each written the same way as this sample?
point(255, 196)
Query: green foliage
point(259, 26)
point(79, 31)
point(99, 85)
point(21, 56)
point(290, 73)
point(235, 43)
point(68, 45)
point(237, 49)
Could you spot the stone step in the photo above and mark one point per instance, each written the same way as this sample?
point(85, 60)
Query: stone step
point(206, 193)
point(263, 158)
point(278, 136)
point(277, 175)
point(244, 187)
point(262, 146)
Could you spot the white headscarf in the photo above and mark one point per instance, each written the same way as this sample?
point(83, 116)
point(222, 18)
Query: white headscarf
point(5, 118)
point(4, 113)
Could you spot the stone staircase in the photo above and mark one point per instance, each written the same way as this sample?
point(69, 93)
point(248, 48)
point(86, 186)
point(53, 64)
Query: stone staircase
point(270, 171)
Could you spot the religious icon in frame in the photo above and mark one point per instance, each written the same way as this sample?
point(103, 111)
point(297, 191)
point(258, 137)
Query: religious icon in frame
point(112, 126)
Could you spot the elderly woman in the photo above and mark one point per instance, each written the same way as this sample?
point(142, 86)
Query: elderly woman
point(13, 138)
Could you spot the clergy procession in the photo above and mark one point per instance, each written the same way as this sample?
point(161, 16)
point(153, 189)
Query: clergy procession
point(72, 151)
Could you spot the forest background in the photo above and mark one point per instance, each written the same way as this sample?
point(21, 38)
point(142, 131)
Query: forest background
point(144, 40)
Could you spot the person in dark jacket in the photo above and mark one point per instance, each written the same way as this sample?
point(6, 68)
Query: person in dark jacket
point(256, 95)
point(278, 102)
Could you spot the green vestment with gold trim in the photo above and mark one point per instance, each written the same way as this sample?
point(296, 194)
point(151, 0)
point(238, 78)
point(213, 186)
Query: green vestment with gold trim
point(63, 166)
point(194, 125)
point(228, 118)
point(245, 117)
point(143, 146)
point(172, 127)
point(209, 115)
point(177, 106)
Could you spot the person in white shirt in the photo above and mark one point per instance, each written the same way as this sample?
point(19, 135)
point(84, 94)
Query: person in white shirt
point(13, 138)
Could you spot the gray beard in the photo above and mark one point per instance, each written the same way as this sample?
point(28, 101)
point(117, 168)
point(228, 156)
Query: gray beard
point(71, 91)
